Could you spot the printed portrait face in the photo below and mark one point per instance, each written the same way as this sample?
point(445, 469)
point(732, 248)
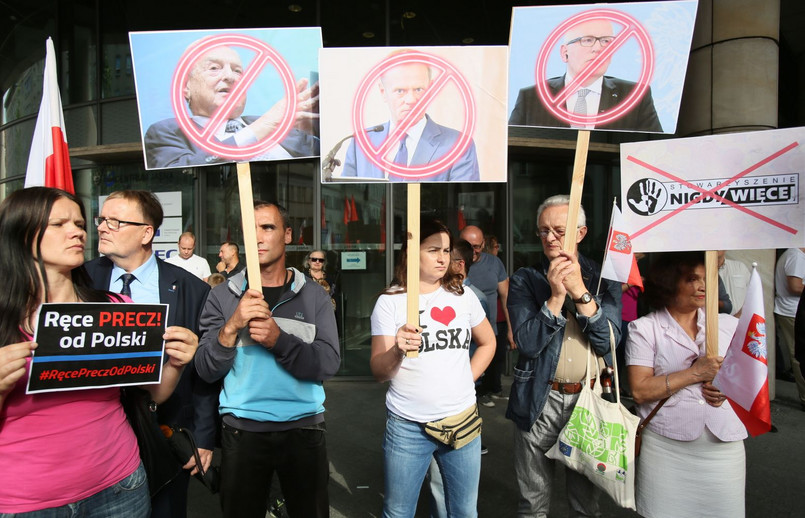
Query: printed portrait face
point(577, 55)
point(401, 88)
point(211, 80)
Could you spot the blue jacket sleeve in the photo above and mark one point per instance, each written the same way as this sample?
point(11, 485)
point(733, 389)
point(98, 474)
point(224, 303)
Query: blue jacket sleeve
point(534, 327)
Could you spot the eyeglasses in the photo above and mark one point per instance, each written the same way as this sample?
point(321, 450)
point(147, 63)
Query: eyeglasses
point(114, 224)
point(589, 41)
point(558, 233)
point(478, 247)
point(317, 259)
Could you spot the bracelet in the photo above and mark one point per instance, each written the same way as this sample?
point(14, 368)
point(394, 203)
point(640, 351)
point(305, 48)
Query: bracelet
point(668, 386)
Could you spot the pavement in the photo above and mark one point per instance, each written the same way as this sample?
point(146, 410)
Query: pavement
point(355, 421)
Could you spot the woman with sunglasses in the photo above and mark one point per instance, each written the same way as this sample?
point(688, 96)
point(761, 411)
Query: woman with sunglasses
point(314, 264)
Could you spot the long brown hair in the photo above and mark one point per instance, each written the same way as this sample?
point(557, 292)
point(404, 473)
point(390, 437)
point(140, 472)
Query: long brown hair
point(451, 282)
point(24, 218)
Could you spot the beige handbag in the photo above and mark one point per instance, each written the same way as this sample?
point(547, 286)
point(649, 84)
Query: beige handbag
point(456, 430)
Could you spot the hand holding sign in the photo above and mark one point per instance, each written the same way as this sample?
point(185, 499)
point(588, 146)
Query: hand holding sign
point(251, 306)
point(264, 331)
point(180, 345)
point(12, 365)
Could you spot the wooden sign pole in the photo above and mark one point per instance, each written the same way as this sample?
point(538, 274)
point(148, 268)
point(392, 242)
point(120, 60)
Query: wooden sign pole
point(247, 220)
point(711, 301)
point(412, 265)
point(576, 188)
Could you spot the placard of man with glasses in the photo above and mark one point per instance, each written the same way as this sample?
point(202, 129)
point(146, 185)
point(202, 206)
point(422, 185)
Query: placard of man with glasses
point(599, 94)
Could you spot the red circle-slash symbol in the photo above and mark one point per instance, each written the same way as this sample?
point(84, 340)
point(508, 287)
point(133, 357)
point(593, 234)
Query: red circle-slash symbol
point(205, 137)
point(447, 73)
point(556, 105)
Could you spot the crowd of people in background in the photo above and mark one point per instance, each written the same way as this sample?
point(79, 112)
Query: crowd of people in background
point(246, 360)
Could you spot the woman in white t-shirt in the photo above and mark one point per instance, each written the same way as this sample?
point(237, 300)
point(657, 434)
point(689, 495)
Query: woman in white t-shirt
point(438, 383)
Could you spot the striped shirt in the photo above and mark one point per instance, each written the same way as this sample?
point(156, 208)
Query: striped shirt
point(658, 341)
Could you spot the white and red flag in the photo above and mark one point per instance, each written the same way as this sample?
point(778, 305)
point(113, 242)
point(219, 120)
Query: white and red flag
point(620, 263)
point(744, 375)
point(49, 160)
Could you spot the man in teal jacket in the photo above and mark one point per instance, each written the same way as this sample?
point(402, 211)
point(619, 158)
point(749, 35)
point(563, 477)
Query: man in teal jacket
point(273, 348)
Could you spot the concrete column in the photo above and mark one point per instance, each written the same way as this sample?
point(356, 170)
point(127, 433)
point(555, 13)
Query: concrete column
point(731, 83)
point(731, 86)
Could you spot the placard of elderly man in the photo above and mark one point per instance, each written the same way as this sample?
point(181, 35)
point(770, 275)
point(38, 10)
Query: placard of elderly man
point(598, 67)
point(211, 84)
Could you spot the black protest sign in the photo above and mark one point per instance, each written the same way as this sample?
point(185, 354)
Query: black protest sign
point(90, 345)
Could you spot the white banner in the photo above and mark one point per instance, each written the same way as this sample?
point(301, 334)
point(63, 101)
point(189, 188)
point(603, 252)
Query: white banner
point(721, 192)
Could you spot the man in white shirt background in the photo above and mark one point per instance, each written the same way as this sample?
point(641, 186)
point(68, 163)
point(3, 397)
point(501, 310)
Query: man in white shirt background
point(735, 276)
point(789, 280)
point(189, 261)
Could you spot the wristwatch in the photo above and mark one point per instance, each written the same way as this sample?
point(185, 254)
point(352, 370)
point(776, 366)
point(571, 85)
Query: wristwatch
point(584, 299)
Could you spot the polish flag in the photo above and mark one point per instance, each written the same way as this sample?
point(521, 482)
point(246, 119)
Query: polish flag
point(49, 160)
point(744, 375)
point(620, 263)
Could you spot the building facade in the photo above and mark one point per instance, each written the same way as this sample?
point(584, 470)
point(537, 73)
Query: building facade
point(740, 48)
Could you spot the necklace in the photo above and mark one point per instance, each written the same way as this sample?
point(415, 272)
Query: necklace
point(428, 298)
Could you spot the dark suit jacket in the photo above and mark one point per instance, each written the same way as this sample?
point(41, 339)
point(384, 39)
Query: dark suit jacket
point(529, 110)
point(435, 142)
point(166, 145)
point(194, 403)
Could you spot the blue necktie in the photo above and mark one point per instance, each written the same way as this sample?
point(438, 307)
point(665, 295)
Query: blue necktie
point(402, 154)
point(127, 279)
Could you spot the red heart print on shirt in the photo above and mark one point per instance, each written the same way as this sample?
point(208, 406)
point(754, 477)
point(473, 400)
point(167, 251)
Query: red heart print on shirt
point(443, 316)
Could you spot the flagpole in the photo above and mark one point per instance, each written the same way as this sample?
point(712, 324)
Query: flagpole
point(711, 302)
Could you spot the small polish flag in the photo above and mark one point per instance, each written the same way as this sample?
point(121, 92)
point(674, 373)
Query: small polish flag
point(744, 374)
point(620, 263)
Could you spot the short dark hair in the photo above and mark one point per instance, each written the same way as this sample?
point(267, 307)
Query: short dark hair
point(666, 270)
point(232, 244)
point(464, 249)
point(148, 203)
point(286, 219)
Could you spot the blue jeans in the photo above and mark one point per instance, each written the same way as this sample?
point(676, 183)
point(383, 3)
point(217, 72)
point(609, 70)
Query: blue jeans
point(128, 498)
point(407, 454)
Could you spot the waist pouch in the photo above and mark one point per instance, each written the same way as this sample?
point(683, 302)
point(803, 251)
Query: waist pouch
point(456, 430)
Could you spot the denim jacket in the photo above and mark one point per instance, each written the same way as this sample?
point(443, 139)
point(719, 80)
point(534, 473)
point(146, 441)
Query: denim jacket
point(538, 334)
